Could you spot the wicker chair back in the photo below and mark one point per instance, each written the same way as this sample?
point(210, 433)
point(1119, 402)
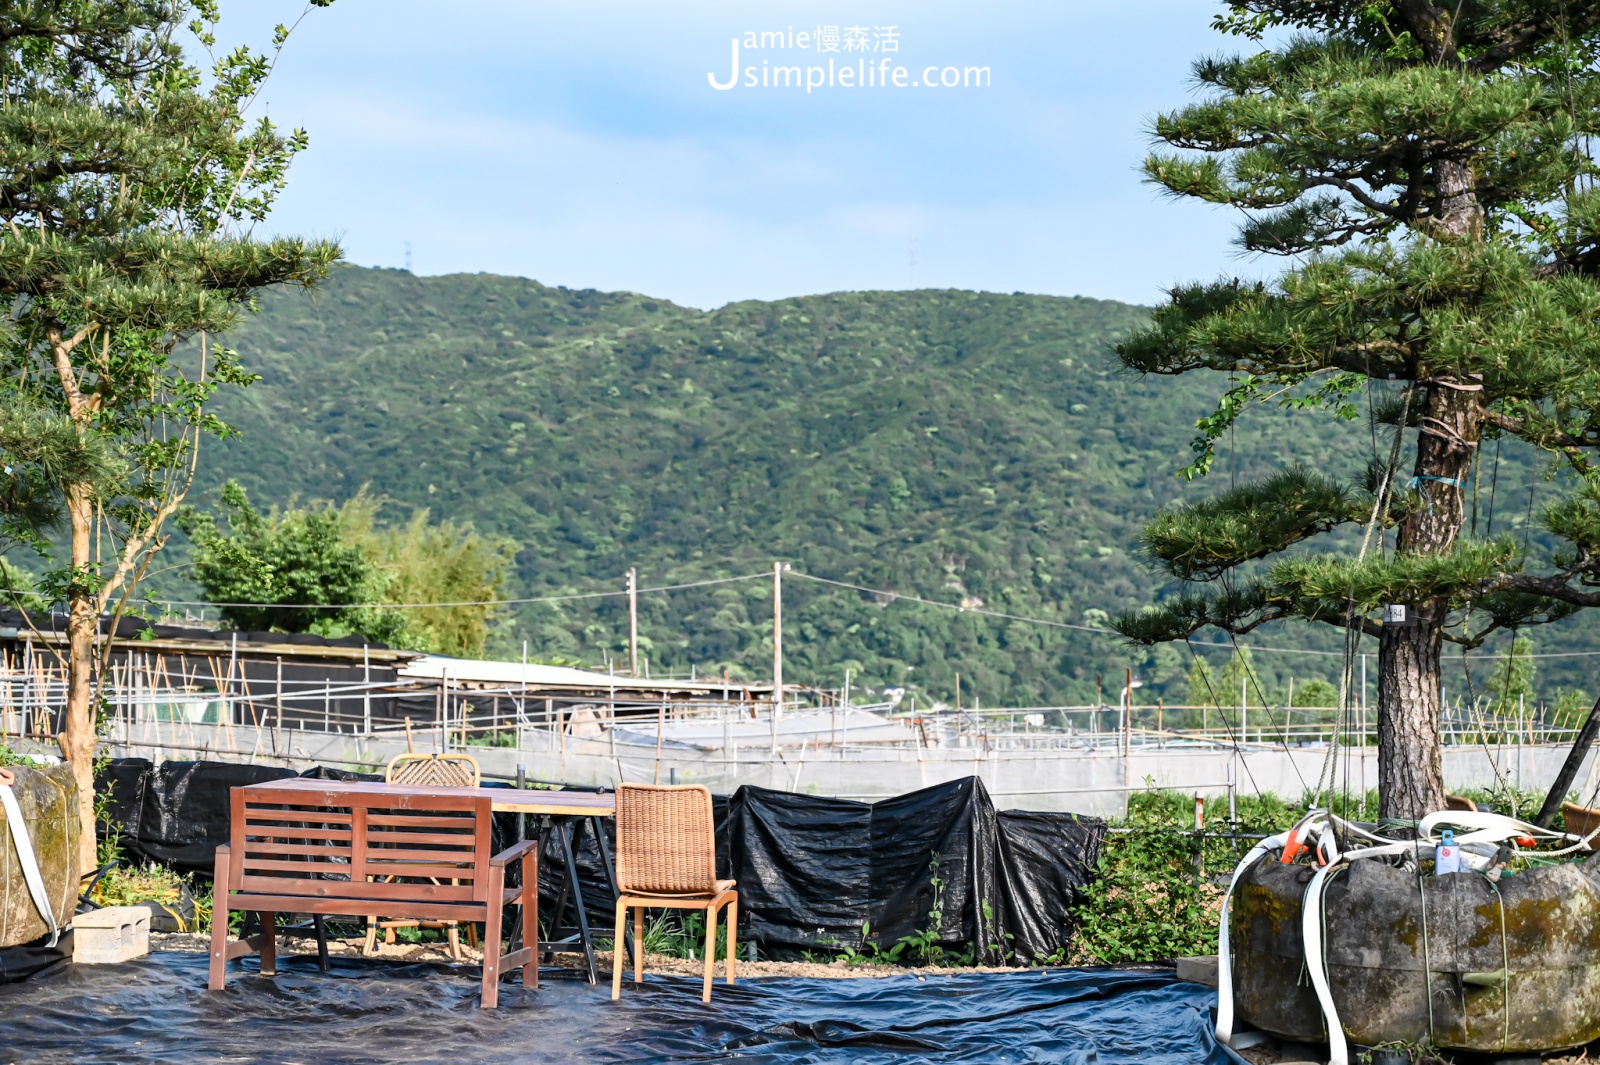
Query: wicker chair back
point(666, 843)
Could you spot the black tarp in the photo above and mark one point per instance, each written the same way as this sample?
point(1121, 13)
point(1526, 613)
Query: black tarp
point(28, 959)
point(825, 873)
point(814, 873)
point(156, 1010)
point(176, 813)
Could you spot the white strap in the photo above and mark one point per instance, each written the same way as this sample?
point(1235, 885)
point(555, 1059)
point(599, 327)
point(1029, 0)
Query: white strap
point(1224, 953)
point(30, 863)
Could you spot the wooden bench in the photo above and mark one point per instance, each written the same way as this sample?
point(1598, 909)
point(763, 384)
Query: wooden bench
point(369, 852)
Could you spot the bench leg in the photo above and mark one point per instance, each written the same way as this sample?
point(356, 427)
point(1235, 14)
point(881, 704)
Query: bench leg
point(530, 915)
point(269, 943)
point(219, 923)
point(491, 938)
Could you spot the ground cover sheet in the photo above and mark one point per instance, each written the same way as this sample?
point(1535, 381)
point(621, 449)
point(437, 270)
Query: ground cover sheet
point(156, 1009)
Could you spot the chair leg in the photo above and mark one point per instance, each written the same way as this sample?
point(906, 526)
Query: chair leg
point(733, 937)
point(219, 923)
point(472, 934)
point(269, 944)
point(711, 950)
point(371, 944)
point(491, 938)
point(616, 949)
point(638, 945)
point(452, 932)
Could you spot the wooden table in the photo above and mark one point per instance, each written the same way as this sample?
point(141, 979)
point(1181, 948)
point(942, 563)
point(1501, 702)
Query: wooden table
point(564, 813)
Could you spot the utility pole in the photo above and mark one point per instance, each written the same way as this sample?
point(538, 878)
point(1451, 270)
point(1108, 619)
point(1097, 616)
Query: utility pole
point(633, 620)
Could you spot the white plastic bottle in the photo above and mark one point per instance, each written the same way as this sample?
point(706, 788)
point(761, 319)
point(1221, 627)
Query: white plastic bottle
point(1446, 856)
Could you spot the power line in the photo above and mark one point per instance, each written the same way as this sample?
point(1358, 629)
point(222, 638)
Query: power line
point(476, 602)
point(955, 606)
point(763, 575)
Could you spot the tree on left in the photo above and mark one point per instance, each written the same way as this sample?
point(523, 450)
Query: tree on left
point(130, 181)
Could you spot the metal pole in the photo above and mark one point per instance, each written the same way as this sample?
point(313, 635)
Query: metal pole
point(633, 622)
point(277, 735)
point(777, 650)
point(846, 711)
point(366, 694)
point(1244, 713)
point(661, 724)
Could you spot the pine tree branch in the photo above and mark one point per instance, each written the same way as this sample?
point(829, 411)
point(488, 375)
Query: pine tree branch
point(1570, 20)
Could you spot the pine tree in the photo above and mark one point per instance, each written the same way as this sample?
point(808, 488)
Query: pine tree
point(1427, 166)
point(129, 183)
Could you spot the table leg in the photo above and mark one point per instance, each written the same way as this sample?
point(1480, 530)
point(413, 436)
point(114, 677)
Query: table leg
point(610, 868)
point(567, 847)
point(321, 929)
point(566, 882)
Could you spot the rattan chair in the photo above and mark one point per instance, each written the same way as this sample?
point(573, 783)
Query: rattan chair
point(667, 859)
point(427, 770)
point(434, 770)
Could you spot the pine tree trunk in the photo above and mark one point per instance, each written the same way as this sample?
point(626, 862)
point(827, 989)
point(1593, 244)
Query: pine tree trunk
point(77, 738)
point(1410, 769)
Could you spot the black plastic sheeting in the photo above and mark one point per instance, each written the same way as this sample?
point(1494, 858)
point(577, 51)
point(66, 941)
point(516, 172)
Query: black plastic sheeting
point(155, 1011)
point(20, 962)
point(814, 873)
point(175, 813)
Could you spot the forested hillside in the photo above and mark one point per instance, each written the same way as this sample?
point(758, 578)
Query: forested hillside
point(957, 445)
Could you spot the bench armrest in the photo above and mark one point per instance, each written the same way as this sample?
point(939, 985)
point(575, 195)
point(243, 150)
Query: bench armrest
point(513, 852)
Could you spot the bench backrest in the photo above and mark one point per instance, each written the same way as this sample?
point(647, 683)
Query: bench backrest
point(347, 844)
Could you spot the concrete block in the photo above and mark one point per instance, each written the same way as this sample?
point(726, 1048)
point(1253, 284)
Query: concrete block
point(110, 935)
point(1199, 970)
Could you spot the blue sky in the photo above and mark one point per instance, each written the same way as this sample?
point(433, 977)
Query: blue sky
point(582, 145)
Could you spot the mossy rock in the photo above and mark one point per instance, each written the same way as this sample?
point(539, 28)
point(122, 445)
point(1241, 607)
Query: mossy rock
point(48, 799)
point(1495, 968)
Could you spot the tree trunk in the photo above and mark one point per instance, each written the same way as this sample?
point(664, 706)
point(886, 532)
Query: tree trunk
point(1410, 763)
point(77, 738)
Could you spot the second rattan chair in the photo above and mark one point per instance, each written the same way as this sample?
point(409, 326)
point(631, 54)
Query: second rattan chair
point(427, 770)
point(667, 859)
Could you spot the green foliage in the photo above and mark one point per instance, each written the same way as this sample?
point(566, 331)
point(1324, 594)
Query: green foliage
point(41, 452)
point(130, 181)
point(1431, 169)
point(1315, 692)
point(1510, 686)
point(960, 446)
point(1155, 895)
point(422, 562)
point(297, 559)
point(780, 430)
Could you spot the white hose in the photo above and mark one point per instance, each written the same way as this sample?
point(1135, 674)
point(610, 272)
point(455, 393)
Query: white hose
point(30, 862)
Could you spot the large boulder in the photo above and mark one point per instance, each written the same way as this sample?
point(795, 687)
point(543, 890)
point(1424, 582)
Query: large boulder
point(1455, 961)
point(48, 799)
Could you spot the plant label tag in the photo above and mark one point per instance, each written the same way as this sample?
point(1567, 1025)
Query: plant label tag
point(1394, 614)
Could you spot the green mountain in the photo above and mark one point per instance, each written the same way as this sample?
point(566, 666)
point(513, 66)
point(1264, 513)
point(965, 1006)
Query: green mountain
point(961, 446)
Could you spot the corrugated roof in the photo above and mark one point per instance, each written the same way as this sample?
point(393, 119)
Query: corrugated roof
point(565, 678)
